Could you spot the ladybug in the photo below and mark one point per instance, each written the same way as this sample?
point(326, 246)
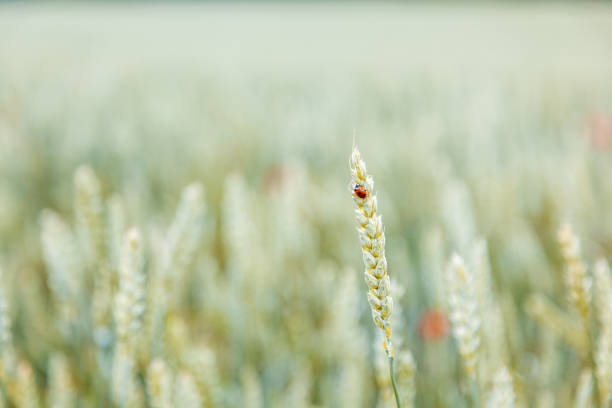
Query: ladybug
point(360, 191)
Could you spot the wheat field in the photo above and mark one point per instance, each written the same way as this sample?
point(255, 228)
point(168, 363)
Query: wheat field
point(179, 199)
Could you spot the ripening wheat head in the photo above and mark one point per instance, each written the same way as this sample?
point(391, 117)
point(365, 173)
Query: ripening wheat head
point(128, 310)
point(129, 302)
point(464, 313)
point(372, 238)
point(603, 353)
point(577, 281)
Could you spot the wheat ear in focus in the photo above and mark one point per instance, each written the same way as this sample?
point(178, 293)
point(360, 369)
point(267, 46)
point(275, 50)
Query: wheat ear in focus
point(372, 238)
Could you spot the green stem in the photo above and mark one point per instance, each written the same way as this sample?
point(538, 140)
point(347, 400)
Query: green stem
point(397, 399)
point(474, 396)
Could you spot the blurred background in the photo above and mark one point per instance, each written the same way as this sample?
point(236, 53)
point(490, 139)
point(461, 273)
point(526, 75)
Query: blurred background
point(478, 121)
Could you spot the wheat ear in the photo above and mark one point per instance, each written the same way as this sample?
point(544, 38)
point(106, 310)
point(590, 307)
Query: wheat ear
point(577, 280)
point(372, 238)
point(129, 306)
point(603, 352)
point(465, 318)
point(579, 285)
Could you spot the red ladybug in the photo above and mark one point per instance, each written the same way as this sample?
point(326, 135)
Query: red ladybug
point(360, 191)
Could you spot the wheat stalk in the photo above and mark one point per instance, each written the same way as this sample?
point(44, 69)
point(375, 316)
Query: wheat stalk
point(372, 237)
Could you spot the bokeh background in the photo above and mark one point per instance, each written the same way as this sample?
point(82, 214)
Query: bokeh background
point(478, 121)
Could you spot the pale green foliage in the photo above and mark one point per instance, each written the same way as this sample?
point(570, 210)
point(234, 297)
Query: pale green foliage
point(222, 133)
